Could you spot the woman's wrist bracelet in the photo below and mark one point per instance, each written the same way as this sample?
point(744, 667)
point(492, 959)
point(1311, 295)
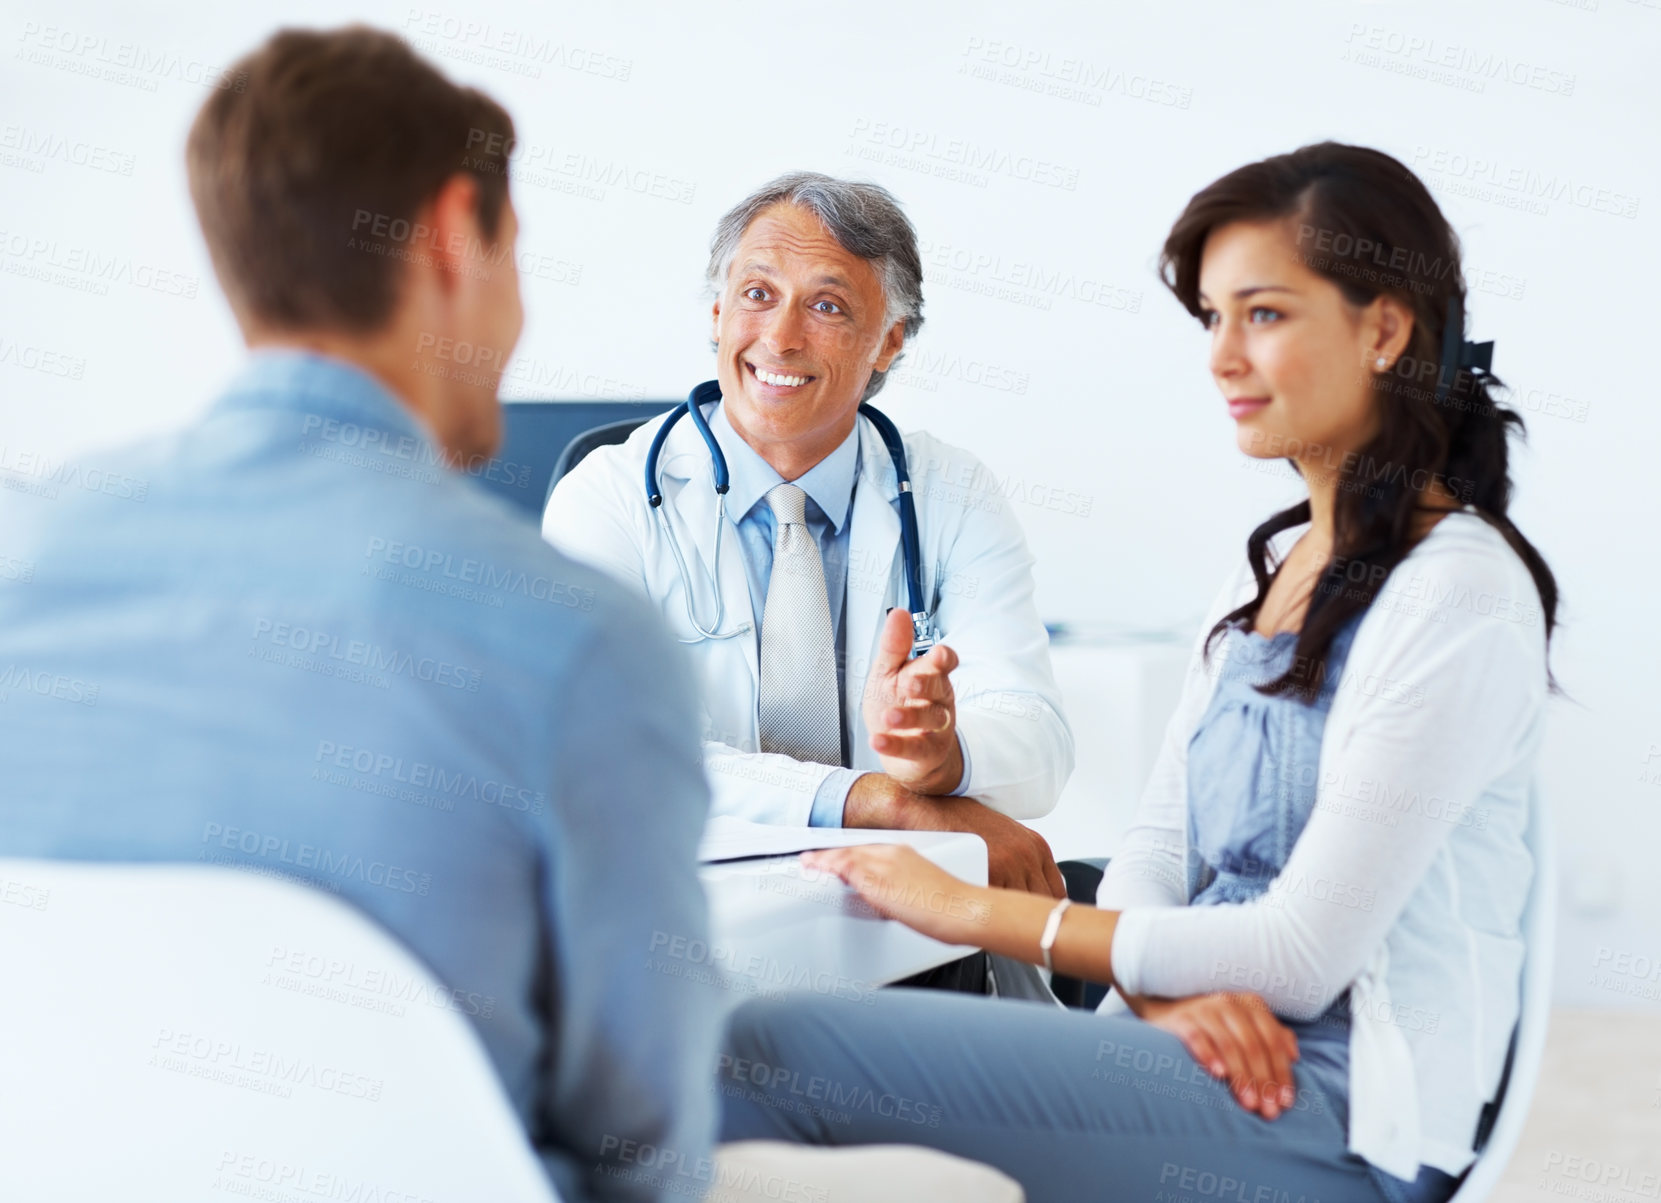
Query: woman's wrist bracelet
point(1052, 927)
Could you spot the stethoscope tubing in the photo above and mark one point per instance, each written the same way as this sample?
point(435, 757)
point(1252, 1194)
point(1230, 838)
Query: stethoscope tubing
point(910, 544)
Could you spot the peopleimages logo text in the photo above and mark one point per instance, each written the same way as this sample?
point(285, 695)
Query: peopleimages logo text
point(366, 655)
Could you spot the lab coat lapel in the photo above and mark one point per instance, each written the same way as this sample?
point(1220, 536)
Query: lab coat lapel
point(696, 508)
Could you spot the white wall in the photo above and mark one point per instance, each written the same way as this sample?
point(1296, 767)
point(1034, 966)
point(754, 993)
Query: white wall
point(1092, 389)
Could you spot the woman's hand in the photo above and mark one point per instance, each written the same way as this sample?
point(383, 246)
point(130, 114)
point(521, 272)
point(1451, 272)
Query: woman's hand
point(901, 883)
point(1236, 1037)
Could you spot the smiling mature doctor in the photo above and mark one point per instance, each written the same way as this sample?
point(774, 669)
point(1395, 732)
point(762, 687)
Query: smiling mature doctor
point(791, 587)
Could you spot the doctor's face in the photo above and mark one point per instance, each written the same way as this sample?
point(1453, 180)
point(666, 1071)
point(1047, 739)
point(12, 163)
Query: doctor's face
point(1290, 353)
point(799, 327)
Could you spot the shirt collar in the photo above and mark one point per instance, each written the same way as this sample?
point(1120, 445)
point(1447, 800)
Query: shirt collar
point(322, 387)
point(830, 482)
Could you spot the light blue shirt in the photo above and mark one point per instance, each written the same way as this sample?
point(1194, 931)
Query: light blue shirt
point(290, 639)
point(829, 486)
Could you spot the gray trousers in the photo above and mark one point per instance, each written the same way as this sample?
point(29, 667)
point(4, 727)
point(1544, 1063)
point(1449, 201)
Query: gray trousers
point(1072, 1104)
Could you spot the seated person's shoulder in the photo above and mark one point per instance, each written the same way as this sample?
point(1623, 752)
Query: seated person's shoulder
point(1466, 550)
point(620, 465)
point(1463, 579)
point(611, 476)
point(930, 455)
point(956, 489)
point(534, 589)
point(87, 507)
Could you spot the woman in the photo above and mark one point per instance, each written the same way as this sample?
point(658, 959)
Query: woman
point(1312, 929)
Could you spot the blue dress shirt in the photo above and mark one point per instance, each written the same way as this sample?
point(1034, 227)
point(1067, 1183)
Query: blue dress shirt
point(290, 639)
point(829, 486)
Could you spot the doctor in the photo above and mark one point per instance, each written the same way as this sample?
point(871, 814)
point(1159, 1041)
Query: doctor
point(790, 588)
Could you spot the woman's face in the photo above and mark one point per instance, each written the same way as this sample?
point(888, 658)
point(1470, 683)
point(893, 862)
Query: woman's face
point(1291, 356)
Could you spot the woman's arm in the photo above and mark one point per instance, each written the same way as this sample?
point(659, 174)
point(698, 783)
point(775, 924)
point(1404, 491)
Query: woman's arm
point(901, 883)
point(1430, 712)
point(1232, 1034)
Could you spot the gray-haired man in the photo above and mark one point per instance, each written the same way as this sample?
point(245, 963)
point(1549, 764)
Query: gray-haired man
point(790, 588)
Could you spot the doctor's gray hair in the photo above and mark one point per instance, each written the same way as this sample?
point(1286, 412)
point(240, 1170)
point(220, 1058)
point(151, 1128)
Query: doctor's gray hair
point(865, 220)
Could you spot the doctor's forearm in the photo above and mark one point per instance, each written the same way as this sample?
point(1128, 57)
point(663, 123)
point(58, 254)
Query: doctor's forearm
point(876, 800)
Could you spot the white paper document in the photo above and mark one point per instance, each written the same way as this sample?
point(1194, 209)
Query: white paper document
point(727, 838)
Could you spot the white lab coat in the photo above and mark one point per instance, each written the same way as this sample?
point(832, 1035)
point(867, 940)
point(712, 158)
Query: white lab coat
point(977, 573)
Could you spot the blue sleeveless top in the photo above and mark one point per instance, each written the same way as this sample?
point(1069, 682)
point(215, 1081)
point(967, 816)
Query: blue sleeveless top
point(1254, 762)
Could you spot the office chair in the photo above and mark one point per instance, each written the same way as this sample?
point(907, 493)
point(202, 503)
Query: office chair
point(536, 436)
point(1082, 878)
point(177, 1033)
point(1503, 1119)
point(193, 1032)
point(579, 447)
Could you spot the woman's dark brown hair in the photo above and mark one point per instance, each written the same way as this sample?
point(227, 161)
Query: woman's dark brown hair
point(308, 170)
point(1364, 221)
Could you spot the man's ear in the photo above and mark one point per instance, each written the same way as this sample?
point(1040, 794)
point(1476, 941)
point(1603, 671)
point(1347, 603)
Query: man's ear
point(892, 344)
point(715, 322)
point(453, 218)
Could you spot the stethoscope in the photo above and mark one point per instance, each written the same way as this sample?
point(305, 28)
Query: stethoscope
point(924, 634)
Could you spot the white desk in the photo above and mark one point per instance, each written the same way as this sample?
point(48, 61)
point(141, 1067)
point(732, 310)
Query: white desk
point(775, 928)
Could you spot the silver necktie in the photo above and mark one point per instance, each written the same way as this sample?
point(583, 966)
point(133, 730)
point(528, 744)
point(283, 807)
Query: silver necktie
point(800, 713)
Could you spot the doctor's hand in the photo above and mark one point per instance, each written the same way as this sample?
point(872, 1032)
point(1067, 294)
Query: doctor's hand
point(1017, 857)
point(911, 712)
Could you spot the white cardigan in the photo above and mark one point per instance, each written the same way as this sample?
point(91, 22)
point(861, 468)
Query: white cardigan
point(1408, 882)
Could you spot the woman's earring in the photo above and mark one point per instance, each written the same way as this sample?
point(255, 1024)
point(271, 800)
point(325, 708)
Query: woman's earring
point(1379, 363)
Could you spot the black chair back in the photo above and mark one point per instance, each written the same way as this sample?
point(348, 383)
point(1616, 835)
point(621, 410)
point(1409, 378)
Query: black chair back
point(601, 436)
point(536, 439)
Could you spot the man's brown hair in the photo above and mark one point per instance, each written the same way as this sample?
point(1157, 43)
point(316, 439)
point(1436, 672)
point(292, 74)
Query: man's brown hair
point(307, 181)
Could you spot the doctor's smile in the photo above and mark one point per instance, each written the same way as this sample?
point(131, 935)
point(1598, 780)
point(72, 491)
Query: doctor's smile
point(780, 381)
